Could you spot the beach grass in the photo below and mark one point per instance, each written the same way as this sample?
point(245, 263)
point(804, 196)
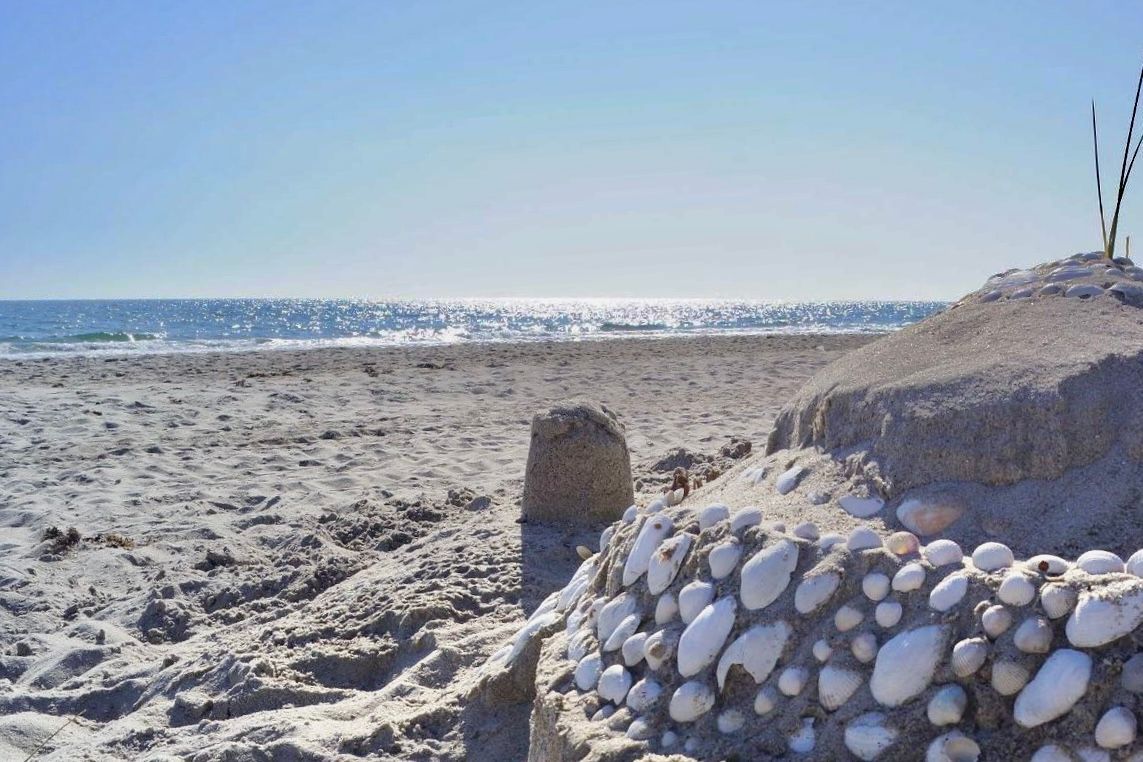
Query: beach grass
point(1124, 173)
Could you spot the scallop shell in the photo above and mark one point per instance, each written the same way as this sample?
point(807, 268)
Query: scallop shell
point(666, 560)
point(1008, 677)
point(968, 656)
point(864, 647)
point(947, 705)
point(943, 553)
point(888, 613)
point(990, 556)
point(836, 686)
point(875, 586)
point(868, 735)
point(1057, 600)
point(1016, 590)
point(847, 617)
point(1034, 636)
point(1100, 562)
point(996, 620)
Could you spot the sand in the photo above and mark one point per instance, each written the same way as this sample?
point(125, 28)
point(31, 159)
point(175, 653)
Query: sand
point(307, 554)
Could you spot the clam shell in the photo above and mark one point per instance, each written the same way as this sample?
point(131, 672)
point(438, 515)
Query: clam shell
point(1134, 564)
point(747, 517)
point(614, 684)
point(1051, 753)
point(903, 543)
point(690, 701)
point(847, 617)
point(666, 560)
point(1057, 600)
point(1100, 562)
point(788, 479)
point(947, 705)
point(620, 634)
point(990, 556)
point(793, 680)
point(1008, 677)
point(765, 701)
point(659, 647)
point(1046, 563)
point(804, 739)
point(666, 608)
point(864, 647)
point(863, 538)
point(1116, 728)
point(693, 598)
point(1016, 590)
point(953, 747)
point(730, 721)
point(906, 663)
point(1104, 616)
point(712, 514)
point(861, 507)
point(757, 650)
point(943, 552)
point(1061, 681)
point(822, 650)
point(868, 735)
point(587, 672)
point(807, 530)
point(614, 612)
point(909, 577)
point(948, 592)
point(724, 557)
point(815, 590)
point(654, 530)
point(633, 648)
point(705, 636)
point(996, 620)
point(888, 613)
point(968, 656)
point(767, 574)
point(836, 686)
point(875, 586)
point(1034, 636)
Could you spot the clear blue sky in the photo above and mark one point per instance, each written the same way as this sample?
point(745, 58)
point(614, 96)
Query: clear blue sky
point(382, 149)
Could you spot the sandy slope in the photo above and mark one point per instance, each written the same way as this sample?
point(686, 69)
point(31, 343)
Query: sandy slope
point(301, 555)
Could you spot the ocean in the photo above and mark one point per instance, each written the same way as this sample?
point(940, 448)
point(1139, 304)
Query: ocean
point(40, 328)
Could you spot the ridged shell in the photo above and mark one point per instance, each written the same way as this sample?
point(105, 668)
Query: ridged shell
point(1100, 562)
point(943, 552)
point(948, 592)
point(888, 613)
point(875, 586)
point(847, 617)
point(724, 557)
point(767, 574)
point(864, 647)
point(968, 656)
point(1057, 600)
point(1016, 590)
point(947, 705)
point(836, 686)
point(1034, 636)
point(996, 620)
point(1008, 677)
point(990, 556)
point(666, 560)
point(868, 735)
point(1060, 683)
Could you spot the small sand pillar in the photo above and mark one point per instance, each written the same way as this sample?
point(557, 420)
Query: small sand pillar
point(579, 471)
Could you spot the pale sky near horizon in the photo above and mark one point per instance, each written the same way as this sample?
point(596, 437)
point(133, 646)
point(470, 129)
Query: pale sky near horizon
point(364, 149)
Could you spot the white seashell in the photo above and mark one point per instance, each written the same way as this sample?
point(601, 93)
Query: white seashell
point(655, 529)
point(614, 684)
point(807, 530)
point(868, 735)
point(620, 634)
point(639, 730)
point(836, 686)
point(863, 538)
point(711, 515)
point(1100, 562)
point(1051, 753)
point(666, 608)
point(747, 517)
point(730, 721)
point(724, 557)
point(888, 613)
point(822, 650)
point(789, 479)
point(908, 578)
point(847, 617)
point(1034, 636)
point(990, 556)
point(1092, 754)
point(767, 574)
point(1008, 677)
point(804, 740)
point(793, 680)
point(948, 592)
point(996, 620)
point(705, 636)
point(953, 747)
point(665, 562)
point(580, 643)
point(1132, 675)
point(613, 612)
point(644, 695)
point(765, 701)
point(630, 514)
point(861, 507)
point(903, 543)
point(690, 701)
point(968, 656)
point(1060, 683)
point(1047, 564)
point(576, 586)
point(604, 712)
point(812, 592)
point(659, 647)
point(660, 503)
point(1134, 564)
point(905, 665)
point(757, 650)
point(1116, 728)
point(827, 541)
point(943, 552)
point(1097, 621)
point(693, 598)
point(605, 537)
point(864, 647)
point(1016, 590)
point(633, 648)
point(875, 586)
point(669, 739)
point(587, 672)
point(947, 705)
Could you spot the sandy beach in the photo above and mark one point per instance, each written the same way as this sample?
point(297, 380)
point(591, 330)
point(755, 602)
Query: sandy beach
point(307, 552)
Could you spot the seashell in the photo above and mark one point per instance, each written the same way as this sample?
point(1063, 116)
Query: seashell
point(665, 562)
point(1047, 564)
point(655, 529)
point(1051, 753)
point(605, 537)
point(947, 705)
point(1034, 636)
point(583, 552)
point(767, 574)
point(864, 647)
point(613, 612)
point(632, 650)
point(868, 735)
point(1132, 677)
point(644, 695)
point(903, 543)
point(724, 557)
point(711, 515)
point(789, 479)
point(747, 517)
point(807, 530)
point(705, 636)
point(630, 514)
point(905, 665)
point(730, 721)
point(943, 552)
point(968, 656)
point(888, 613)
point(847, 617)
point(875, 586)
point(990, 556)
point(1060, 683)
point(948, 592)
point(793, 680)
point(660, 503)
point(669, 739)
point(693, 598)
point(812, 592)
point(822, 650)
point(908, 578)
point(666, 608)
point(765, 701)
point(576, 586)
point(1008, 677)
point(804, 739)
point(1100, 562)
point(620, 634)
point(836, 686)
point(996, 620)
point(690, 701)
point(754, 475)
point(930, 516)
point(1092, 754)
point(604, 712)
point(639, 730)
point(757, 650)
point(863, 538)
point(580, 643)
point(587, 672)
point(614, 684)
point(659, 647)
point(953, 747)
point(1134, 564)
point(1097, 621)
point(1016, 590)
point(861, 507)
point(827, 541)
point(1116, 728)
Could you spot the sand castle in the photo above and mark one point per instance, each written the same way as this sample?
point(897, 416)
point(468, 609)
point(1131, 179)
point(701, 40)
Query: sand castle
point(937, 558)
